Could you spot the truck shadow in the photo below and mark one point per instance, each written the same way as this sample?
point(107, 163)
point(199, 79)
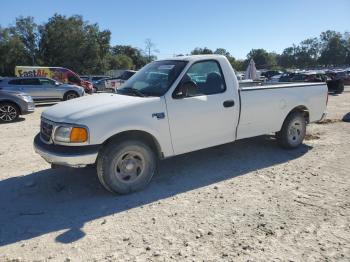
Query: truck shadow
point(65, 199)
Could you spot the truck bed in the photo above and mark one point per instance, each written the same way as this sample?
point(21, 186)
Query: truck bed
point(264, 108)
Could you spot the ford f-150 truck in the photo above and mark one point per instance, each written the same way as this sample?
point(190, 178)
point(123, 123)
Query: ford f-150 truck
point(171, 107)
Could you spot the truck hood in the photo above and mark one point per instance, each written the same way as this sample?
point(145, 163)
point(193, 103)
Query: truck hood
point(91, 106)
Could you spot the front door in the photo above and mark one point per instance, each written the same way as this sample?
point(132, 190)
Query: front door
point(205, 118)
point(32, 87)
point(50, 89)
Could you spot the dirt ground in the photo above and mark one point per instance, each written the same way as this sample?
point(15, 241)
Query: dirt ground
point(245, 201)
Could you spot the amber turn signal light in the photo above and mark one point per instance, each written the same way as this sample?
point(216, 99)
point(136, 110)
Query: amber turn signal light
point(78, 135)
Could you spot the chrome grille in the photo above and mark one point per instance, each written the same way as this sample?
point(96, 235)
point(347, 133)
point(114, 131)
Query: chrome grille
point(45, 131)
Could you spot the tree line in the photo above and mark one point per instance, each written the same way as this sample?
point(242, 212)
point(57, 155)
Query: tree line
point(81, 46)
point(330, 49)
point(68, 42)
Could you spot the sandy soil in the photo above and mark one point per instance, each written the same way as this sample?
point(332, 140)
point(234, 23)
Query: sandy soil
point(246, 201)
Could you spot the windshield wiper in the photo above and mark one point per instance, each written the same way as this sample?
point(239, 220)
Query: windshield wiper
point(130, 90)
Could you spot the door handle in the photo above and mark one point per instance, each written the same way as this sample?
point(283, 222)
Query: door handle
point(229, 103)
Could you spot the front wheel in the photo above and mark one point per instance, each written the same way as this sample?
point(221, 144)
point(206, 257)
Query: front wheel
point(8, 112)
point(293, 131)
point(126, 167)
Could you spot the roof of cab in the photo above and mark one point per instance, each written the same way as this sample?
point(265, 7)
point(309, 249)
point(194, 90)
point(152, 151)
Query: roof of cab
point(194, 57)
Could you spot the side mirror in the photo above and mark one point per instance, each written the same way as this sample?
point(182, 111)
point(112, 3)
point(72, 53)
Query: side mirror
point(57, 83)
point(186, 89)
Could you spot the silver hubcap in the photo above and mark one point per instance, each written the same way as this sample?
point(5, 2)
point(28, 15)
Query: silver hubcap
point(129, 166)
point(7, 113)
point(296, 132)
point(71, 96)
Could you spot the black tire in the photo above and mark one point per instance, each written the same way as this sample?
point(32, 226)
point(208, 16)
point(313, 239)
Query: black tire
point(126, 166)
point(70, 95)
point(9, 112)
point(340, 88)
point(293, 131)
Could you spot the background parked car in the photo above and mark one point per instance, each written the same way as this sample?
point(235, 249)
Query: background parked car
point(270, 73)
point(41, 88)
point(344, 76)
point(59, 74)
point(97, 81)
point(13, 104)
point(114, 83)
point(334, 85)
point(100, 85)
point(275, 79)
point(93, 78)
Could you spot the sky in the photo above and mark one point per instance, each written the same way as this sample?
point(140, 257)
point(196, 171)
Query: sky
point(178, 26)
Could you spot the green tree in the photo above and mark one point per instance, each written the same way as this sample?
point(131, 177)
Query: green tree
point(75, 44)
point(334, 49)
point(287, 58)
point(12, 52)
point(27, 31)
point(325, 37)
point(262, 58)
point(238, 64)
point(307, 53)
point(119, 62)
point(222, 51)
point(347, 40)
point(201, 51)
point(138, 59)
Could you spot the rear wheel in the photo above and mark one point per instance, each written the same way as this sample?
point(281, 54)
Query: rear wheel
point(8, 112)
point(70, 95)
point(126, 167)
point(293, 131)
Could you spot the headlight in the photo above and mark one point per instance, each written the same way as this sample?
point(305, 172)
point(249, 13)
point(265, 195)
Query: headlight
point(26, 98)
point(67, 134)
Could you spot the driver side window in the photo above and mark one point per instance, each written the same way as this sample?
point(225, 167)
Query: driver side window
point(45, 81)
point(207, 77)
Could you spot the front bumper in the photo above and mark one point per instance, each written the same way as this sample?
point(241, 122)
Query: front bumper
point(28, 108)
point(72, 156)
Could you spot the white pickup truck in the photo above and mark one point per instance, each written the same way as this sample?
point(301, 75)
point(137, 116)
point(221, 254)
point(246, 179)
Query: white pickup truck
point(171, 107)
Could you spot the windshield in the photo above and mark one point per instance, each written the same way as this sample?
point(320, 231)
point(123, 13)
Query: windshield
point(154, 79)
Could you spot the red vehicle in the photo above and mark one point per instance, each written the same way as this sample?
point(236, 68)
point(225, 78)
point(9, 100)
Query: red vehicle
point(60, 74)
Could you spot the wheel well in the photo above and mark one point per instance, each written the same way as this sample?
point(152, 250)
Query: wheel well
point(13, 103)
point(138, 135)
point(303, 110)
point(70, 91)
